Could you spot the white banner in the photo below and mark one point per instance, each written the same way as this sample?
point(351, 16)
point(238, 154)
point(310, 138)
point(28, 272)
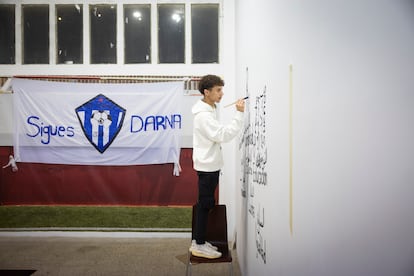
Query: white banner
point(97, 124)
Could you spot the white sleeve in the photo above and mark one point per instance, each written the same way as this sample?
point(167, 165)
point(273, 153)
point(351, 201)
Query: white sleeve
point(220, 133)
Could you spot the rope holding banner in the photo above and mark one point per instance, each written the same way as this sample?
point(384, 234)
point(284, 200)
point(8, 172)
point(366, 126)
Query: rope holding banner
point(177, 169)
point(12, 163)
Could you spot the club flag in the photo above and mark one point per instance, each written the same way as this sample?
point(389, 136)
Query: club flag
point(95, 123)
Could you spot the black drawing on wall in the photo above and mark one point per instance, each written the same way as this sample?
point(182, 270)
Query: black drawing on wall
point(253, 149)
point(260, 241)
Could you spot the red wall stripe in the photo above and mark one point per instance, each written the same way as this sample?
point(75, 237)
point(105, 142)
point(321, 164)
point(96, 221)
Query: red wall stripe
point(50, 184)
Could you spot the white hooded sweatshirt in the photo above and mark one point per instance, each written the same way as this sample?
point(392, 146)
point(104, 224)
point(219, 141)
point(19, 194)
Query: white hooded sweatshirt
point(208, 134)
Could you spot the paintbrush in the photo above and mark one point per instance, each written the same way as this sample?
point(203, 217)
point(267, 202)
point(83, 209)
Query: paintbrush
point(245, 98)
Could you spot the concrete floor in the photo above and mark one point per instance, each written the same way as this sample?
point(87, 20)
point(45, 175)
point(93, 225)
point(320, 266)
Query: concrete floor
point(102, 255)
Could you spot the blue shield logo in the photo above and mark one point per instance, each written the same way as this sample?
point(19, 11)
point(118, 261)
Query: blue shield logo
point(101, 120)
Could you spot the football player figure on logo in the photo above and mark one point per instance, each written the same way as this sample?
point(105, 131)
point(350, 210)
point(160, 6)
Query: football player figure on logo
point(100, 119)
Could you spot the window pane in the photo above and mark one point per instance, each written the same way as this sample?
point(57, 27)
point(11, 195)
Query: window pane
point(204, 24)
point(171, 31)
point(69, 34)
point(7, 34)
point(137, 24)
point(103, 33)
point(36, 34)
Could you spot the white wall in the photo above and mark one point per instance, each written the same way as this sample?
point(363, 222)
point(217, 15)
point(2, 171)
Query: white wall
point(353, 150)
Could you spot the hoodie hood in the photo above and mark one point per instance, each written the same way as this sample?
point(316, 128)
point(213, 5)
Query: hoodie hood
point(201, 106)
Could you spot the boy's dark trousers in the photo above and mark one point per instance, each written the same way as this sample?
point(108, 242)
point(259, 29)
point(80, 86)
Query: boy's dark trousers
point(207, 183)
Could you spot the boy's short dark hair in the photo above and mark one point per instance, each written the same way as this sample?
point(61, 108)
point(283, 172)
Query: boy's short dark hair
point(208, 82)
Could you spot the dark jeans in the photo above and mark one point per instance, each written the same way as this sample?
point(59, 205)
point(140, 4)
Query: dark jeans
point(207, 183)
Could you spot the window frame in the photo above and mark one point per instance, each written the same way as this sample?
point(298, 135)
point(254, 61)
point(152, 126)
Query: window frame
point(144, 5)
point(12, 8)
point(218, 32)
point(56, 42)
point(120, 67)
point(104, 7)
point(23, 41)
point(185, 38)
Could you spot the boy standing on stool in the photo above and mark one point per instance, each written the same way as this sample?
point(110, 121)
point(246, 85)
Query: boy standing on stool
point(208, 133)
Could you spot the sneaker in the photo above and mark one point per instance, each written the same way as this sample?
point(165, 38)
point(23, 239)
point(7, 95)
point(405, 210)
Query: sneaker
point(193, 244)
point(204, 251)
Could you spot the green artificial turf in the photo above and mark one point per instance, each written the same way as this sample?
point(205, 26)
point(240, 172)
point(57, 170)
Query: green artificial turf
point(94, 216)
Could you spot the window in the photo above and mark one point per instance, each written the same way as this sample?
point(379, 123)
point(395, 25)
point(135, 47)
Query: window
point(171, 33)
point(7, 34)
point(204, 33)
point(103, 33)
point(69, 34)
point(138, 33)
point(137, 26)
point(35, 34)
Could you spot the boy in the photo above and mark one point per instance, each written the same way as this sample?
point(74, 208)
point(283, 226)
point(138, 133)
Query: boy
point(208, 134)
